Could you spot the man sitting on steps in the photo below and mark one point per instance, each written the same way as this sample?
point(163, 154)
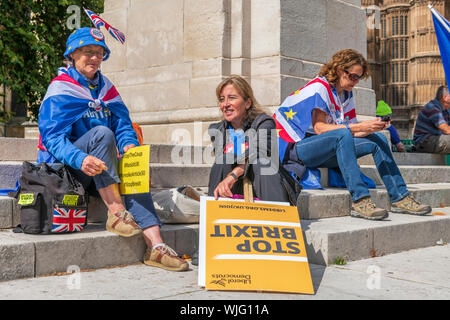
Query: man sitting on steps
point(432, 131)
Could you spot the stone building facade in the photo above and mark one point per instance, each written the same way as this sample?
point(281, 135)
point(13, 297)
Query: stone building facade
point(404, 56)
point(177, 51)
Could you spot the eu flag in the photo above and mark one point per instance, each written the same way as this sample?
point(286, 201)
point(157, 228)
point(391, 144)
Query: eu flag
point(442, 29)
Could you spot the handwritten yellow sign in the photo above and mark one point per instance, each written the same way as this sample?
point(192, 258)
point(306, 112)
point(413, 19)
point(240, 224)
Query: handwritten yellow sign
point(134, 171)
point(252, 246)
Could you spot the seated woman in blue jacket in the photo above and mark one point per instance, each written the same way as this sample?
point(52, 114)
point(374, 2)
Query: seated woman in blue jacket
point(318, 123)
point(83, 122)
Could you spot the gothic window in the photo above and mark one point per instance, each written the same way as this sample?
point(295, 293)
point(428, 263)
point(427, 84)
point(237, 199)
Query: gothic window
point(406, 24)
point(401, 72)
point(406, 97)
point(396, 25)
point(401, 49)
point(395, 76)
point(395, 49)
point(406, 48)
point(400, 97)
point(401, 25)
point(393, 72)
point(396, 72)
point(395, 96)
point(406, 72)
point(393, 26)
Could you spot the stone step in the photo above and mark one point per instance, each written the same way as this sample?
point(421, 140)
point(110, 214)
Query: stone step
point(167, 175)
point(410, 158)
point(350, 239)
point(326, 240)
point(97, 211)
point(410, 174)
point(25, 255)
point(413, 174)
point(312, 204)
point(174, 175)
point(163, 175)
point(335, 202)
point(10, 172)
point(20, 149)
point(9, 212)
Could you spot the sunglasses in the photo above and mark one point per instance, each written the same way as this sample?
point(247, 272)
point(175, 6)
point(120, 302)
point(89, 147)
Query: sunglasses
point(353, 76)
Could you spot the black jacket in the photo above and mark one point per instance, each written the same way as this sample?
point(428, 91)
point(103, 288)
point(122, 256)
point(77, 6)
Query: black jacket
point(261, 154)
point(254, 131)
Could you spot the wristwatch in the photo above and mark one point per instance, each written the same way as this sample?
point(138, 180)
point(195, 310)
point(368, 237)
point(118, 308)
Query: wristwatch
point(235, 177)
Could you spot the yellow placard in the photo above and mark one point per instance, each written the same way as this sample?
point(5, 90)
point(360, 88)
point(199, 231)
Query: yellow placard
point(134, 171)
point(252, 246)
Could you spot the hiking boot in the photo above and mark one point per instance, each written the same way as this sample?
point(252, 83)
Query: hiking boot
point(123, 224)
point(165, 257)
point(365, 208)
point(411, 206)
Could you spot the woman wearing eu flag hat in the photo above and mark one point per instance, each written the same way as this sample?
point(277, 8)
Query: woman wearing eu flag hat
point(83, 122)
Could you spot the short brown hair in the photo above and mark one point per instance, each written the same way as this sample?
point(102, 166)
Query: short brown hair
point(343, 59)
point(246, 92)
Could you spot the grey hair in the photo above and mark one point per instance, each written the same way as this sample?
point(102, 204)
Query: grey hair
point(441, 92)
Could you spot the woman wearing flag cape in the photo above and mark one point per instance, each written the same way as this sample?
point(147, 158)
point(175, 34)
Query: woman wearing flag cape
point(318, 128)
point(83, 122)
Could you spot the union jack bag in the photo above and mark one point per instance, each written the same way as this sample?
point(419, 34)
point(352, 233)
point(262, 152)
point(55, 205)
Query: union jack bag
point(51, 200)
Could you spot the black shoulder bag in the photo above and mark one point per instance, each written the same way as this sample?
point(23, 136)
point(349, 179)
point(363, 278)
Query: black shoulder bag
point(51, 199)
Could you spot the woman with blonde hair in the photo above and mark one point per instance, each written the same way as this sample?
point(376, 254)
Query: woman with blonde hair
point(244, 147)
point(318, 128)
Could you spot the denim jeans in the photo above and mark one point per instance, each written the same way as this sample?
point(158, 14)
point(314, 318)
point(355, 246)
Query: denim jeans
point(338, 148)
point(101, 143)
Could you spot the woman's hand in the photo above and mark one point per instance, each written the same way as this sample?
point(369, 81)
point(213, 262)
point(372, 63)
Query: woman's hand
point(92, 166)
point(370, 126)
point(128, 147)
point(223, 189)
point(360, 129)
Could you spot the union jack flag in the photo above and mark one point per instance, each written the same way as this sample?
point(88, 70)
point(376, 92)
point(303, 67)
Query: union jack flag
point(68, 220)
point(98, 22)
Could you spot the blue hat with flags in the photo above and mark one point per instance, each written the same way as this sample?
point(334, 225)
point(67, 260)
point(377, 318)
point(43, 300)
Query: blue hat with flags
point(84, 37)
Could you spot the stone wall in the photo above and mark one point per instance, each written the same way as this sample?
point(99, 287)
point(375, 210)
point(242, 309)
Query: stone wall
point(177, 51)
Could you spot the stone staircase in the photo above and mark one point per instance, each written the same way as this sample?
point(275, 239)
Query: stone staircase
point(330, 233)
point(25, 255)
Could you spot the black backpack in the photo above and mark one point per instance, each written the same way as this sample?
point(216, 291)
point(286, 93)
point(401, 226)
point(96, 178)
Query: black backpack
point(51, 200)
point(292, 188)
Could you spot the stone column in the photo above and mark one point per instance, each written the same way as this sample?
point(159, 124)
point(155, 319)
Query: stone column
point(177, 51)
